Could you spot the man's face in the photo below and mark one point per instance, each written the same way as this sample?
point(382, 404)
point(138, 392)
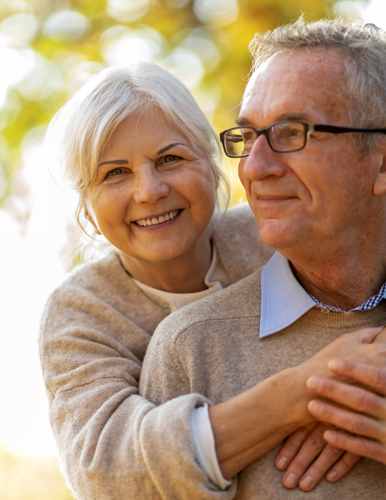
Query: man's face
point(319, 197)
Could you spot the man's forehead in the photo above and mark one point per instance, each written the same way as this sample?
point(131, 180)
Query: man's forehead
point(296, 83)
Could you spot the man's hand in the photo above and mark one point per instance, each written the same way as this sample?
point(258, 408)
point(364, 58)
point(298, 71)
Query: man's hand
point(307, 458)
point(364, 415)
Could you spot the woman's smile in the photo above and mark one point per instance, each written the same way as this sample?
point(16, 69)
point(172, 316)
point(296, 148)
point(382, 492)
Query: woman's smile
point(158, 220)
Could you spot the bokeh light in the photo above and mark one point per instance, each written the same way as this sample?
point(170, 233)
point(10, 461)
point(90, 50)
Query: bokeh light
point(216, 12)
point(66, 24)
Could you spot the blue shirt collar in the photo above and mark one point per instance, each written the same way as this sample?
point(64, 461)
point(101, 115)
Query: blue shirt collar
point(283, 299)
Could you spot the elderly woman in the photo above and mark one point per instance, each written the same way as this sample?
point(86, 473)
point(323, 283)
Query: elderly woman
point(143, 158)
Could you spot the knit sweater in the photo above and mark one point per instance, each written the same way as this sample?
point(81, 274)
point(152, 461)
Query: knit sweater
point(114, 444)
point(215, 351)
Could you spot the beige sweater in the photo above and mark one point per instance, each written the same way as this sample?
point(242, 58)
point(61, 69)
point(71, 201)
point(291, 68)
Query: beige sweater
point(114, 444)
point(214, 349)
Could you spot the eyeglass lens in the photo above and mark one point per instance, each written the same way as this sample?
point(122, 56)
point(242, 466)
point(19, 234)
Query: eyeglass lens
point(283, 136)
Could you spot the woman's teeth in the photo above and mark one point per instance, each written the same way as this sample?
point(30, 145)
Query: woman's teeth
point(157, 220)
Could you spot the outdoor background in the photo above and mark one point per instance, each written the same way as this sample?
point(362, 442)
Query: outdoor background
point(48, 49)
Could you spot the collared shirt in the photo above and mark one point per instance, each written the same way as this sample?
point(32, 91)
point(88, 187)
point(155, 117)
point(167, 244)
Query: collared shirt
point(284, 300)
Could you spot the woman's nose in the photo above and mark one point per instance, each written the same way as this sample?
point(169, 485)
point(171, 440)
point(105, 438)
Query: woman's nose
point(261, 163)
point(149, 187)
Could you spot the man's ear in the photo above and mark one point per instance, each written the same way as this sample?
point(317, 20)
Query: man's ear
point(379, 186)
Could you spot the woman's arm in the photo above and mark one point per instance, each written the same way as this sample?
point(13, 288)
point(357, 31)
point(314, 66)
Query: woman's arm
point(247, 434)
point(250, 424)
point(307, 457)
point(113, 443)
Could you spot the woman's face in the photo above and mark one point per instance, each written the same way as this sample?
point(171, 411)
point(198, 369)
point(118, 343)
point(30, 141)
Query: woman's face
point(154, 193)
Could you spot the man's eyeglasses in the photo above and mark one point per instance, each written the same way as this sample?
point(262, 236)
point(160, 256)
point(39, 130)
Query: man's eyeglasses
point(285, 136)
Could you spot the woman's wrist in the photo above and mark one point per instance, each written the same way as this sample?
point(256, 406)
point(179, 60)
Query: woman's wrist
point(252, 423)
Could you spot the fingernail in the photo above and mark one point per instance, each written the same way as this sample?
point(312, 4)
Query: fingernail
point(332, 475)
point(306, 482)
point(314, 383)
point(282, 463)
point(336, 364)
point(291, 480)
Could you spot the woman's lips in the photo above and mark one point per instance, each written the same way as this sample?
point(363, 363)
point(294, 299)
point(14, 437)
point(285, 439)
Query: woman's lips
point(155, 220)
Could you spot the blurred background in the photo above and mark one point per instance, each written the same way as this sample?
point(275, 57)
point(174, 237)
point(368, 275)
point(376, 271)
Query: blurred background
point(48, 49)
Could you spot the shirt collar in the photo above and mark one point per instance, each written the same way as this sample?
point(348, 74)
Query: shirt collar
point(283, 299)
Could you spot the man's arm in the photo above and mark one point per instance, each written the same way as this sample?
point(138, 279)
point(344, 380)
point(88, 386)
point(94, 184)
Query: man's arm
point(364, 413)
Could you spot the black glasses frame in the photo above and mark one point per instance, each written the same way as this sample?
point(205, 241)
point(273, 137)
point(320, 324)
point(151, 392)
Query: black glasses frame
point(308, 129)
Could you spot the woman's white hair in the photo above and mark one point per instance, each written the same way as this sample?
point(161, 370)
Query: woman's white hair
point(81, 129)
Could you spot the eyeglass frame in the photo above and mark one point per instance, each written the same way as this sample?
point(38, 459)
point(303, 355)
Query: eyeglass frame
point(308, 129)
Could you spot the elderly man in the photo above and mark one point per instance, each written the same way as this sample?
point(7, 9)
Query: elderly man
point(310, 138)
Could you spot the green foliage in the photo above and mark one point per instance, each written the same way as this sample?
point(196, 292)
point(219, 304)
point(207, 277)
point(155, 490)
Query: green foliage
point(65, 54)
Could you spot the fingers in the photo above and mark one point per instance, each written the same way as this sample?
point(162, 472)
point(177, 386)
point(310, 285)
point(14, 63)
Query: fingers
point(347, 420)
point(382, 336)
point(342, 466)
point(364, 374)
point(292, 445)
point(351, 396)
point(313, 446)
point(330, 456)
point(367, 335)
point(355, 444)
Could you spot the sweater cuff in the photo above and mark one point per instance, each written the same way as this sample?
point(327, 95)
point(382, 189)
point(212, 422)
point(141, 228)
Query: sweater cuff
point(169, 452)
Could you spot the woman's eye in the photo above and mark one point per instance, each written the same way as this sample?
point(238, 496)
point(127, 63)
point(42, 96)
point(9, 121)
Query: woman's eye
point(170, 158)
point(114, 172)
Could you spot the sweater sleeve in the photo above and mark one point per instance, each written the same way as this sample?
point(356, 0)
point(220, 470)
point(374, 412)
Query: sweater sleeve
point(113, 443)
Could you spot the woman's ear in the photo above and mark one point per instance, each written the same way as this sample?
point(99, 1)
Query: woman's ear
point(90, 219)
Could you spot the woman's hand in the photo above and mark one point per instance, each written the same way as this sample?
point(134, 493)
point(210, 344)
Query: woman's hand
point(307, 458)
point(363, 414)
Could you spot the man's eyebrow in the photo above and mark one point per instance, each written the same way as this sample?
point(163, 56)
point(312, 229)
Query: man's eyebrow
point(169, 146)
point(295, 116)
point(241, 121)
point(244, 122)
point(114, 162)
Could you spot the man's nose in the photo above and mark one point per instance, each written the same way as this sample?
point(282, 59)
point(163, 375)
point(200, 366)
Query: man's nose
point(149, 186)
point(262, 162)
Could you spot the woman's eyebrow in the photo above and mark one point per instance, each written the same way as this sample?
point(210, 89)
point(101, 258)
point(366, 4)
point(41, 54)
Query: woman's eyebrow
point(166, 148)
point(114, 162)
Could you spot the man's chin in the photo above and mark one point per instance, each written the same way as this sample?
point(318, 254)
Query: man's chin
point(278, 235)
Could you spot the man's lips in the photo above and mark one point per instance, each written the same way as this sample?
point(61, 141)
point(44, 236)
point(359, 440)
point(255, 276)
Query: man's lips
point(154, 220)
point(273, 198)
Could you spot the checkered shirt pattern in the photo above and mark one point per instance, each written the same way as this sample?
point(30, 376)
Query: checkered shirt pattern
point(368, 304)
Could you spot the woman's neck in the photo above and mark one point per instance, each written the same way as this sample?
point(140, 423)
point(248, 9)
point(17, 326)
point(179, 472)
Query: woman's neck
point(183, 274)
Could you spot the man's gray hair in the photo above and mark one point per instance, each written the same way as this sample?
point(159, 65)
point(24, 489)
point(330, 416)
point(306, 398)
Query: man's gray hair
point(80, 130)
point(363, 47)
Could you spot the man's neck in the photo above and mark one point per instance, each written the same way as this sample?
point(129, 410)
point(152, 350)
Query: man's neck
point(344, 287)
